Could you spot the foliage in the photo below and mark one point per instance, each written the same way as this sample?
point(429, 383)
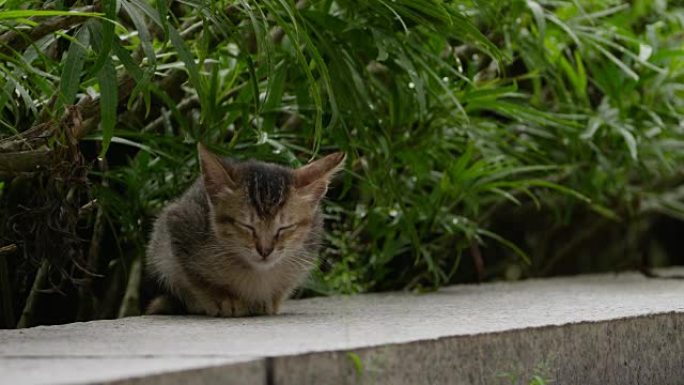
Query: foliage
point(531, 137)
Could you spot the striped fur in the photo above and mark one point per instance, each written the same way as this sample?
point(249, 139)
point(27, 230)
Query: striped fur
point(268, 186)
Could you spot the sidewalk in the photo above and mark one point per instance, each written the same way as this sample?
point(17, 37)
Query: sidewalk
point(599, 329)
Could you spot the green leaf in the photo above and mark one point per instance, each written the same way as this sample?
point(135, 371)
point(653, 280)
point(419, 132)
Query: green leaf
point(538, 13)
point(188, 59)
point(624, 67)
point(73, 66)
point(108, 103)
point(630, 141)
point(147, 9)
point(143, 32)
point(163, 9)
point(274, 98)
point(358, 364)
point(254, 83)
point(142, 78)
point(107, 38)
point(523, 255)
point(128, 142)
point(21, 14)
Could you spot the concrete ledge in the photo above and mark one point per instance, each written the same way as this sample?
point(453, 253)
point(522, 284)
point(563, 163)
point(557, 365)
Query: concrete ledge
point(601, 329)
point(642, 350)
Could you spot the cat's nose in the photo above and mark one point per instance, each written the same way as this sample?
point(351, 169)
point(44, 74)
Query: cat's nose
point(264, 251)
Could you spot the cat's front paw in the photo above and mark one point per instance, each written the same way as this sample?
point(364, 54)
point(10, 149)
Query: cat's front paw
point(265, 308)
point(231, 307)
point(204, 307)
point(274, 306)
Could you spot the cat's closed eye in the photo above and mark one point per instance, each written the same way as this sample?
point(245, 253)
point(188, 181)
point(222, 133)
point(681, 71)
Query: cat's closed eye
point(228, 220)
point(245, 227)
point(285, 230)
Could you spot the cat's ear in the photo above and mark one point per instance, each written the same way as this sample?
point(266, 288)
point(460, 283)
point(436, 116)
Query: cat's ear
point(217, 175)
point(311, 181)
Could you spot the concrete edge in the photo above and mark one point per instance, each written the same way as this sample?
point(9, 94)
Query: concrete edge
point(234, 373)
point(641, 349)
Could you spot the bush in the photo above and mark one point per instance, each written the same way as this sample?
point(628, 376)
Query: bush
point(487, 140)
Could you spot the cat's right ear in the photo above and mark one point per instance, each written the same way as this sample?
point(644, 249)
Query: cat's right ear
point(312, 180)
point(215, 173)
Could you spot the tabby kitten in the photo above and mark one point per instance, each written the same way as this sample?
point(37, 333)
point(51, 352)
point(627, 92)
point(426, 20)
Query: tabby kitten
point(241, 238)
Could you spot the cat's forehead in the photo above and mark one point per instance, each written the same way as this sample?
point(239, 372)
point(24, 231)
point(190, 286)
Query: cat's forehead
point(267, 186)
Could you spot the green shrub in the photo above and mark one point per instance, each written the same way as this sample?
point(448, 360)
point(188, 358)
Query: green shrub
point(529, 137)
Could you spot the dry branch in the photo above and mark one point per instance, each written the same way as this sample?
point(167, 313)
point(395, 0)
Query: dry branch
point(24, 161)
point(28, 151)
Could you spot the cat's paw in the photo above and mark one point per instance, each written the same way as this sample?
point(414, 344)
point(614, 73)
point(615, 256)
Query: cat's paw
point(265, 308)
point(231, 307)
point(274, 307)
point(260, 308)
point(205, 307)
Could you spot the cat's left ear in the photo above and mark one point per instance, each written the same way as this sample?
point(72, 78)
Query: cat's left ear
point(311, 181)
point(215, 172)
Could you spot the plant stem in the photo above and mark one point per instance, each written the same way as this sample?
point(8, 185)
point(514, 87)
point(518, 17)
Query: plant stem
point(26, 319)
point(130, 305)
point(87, 300)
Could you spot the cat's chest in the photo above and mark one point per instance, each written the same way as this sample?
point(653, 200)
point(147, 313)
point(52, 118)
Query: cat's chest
point(260, 286)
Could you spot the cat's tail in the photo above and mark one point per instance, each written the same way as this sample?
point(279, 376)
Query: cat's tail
point(165, 304)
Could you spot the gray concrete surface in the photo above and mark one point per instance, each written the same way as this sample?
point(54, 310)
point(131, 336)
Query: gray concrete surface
point(601, 329)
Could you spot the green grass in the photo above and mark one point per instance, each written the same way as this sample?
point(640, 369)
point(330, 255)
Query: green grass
point(537, 137)
point(540, 374)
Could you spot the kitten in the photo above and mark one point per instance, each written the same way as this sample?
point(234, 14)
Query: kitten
point(241, 238)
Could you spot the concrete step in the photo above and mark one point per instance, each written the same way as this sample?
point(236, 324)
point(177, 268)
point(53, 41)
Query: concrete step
point(598, 329)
